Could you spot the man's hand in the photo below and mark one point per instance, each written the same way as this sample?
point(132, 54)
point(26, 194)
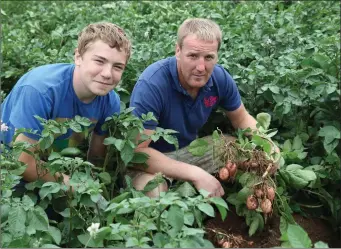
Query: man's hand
point(204, 180)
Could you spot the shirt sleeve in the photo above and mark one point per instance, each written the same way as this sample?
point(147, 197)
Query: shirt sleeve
point(30, 102)
point(230, 98)
point(146, 98)
point(109, 109)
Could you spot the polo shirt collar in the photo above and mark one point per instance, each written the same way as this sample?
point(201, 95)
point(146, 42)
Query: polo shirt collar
point(176, 83)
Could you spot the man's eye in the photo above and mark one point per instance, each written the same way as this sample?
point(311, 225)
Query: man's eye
point(99, 61)
point(193, 55)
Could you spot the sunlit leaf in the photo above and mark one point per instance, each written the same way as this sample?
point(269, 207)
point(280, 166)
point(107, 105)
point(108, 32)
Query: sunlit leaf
point(297, 237)
point(321, 244)
point(175, 217)
point(16, 221)
point(253, 226)
point(70, 151)
point(198, 147)
point(264, 119)
point(206, 208)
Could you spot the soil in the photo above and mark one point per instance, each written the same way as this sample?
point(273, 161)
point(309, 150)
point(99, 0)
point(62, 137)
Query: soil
point(237, 230)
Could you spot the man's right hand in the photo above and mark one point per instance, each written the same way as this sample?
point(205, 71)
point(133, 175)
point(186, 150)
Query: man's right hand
point(204, 180)
point(201, 179)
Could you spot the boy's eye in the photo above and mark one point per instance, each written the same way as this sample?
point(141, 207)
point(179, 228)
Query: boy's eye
point(99, 61)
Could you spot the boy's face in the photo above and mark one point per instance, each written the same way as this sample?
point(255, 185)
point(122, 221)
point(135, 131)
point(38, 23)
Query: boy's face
point(100, 69)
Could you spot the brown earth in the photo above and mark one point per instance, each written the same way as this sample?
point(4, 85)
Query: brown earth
point(237, 231)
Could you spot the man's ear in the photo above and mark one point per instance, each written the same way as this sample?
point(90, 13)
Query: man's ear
point(177, 51)
point(77, 57)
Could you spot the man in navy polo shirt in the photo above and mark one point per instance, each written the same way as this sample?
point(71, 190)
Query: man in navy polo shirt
point(182, 91)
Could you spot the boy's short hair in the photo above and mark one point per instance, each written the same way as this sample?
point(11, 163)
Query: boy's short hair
point(107, 32)
point(204, 29)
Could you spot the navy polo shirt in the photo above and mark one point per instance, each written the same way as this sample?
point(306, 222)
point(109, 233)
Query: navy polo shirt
point(158, 90)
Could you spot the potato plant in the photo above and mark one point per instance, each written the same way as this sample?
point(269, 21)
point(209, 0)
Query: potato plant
point(284, 57)
point(95, 210)
point(249, 164)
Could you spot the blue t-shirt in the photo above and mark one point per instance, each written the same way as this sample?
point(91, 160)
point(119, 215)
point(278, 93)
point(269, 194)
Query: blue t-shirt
point(158, 90)
point(47, 91)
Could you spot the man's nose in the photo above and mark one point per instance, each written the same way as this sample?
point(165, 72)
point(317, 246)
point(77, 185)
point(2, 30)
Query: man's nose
point(201, 64)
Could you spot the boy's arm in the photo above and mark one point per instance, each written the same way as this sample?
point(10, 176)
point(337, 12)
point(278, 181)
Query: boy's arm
point(97, 149)
point(30, 173)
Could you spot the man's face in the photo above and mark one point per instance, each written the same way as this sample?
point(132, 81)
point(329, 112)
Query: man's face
point(195, 61)
point(100, 68)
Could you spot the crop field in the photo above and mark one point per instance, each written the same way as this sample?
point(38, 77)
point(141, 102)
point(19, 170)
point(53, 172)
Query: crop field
point(285, 59)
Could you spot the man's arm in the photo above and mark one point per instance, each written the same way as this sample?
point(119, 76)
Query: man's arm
point(30, 173)
point(240, 118)
point(158, 162)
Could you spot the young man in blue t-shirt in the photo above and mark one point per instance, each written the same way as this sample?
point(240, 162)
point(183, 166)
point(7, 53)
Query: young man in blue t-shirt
point(181, 92)
point(62, 91)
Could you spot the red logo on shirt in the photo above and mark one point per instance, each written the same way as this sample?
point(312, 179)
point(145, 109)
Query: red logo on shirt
point(210, 101)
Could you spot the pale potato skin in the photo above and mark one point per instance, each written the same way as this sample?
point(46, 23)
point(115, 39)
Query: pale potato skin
point(232, 167)
point(221, 242)
point(251, 202)
point(266, 206)
point(271, 193)
point(259, 193)
point(227, 244)
point(224, 174)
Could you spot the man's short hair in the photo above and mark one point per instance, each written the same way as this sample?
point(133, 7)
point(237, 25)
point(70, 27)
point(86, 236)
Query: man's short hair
point(107, 32)
point(204, 29)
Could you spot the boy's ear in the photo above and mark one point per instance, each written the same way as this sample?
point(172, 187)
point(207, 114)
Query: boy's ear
point(77, 57)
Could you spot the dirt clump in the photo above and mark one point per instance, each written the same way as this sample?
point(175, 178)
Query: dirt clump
point(235, 231)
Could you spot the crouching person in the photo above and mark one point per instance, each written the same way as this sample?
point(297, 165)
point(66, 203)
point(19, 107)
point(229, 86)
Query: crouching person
point(62, 91)
point(181, 91)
